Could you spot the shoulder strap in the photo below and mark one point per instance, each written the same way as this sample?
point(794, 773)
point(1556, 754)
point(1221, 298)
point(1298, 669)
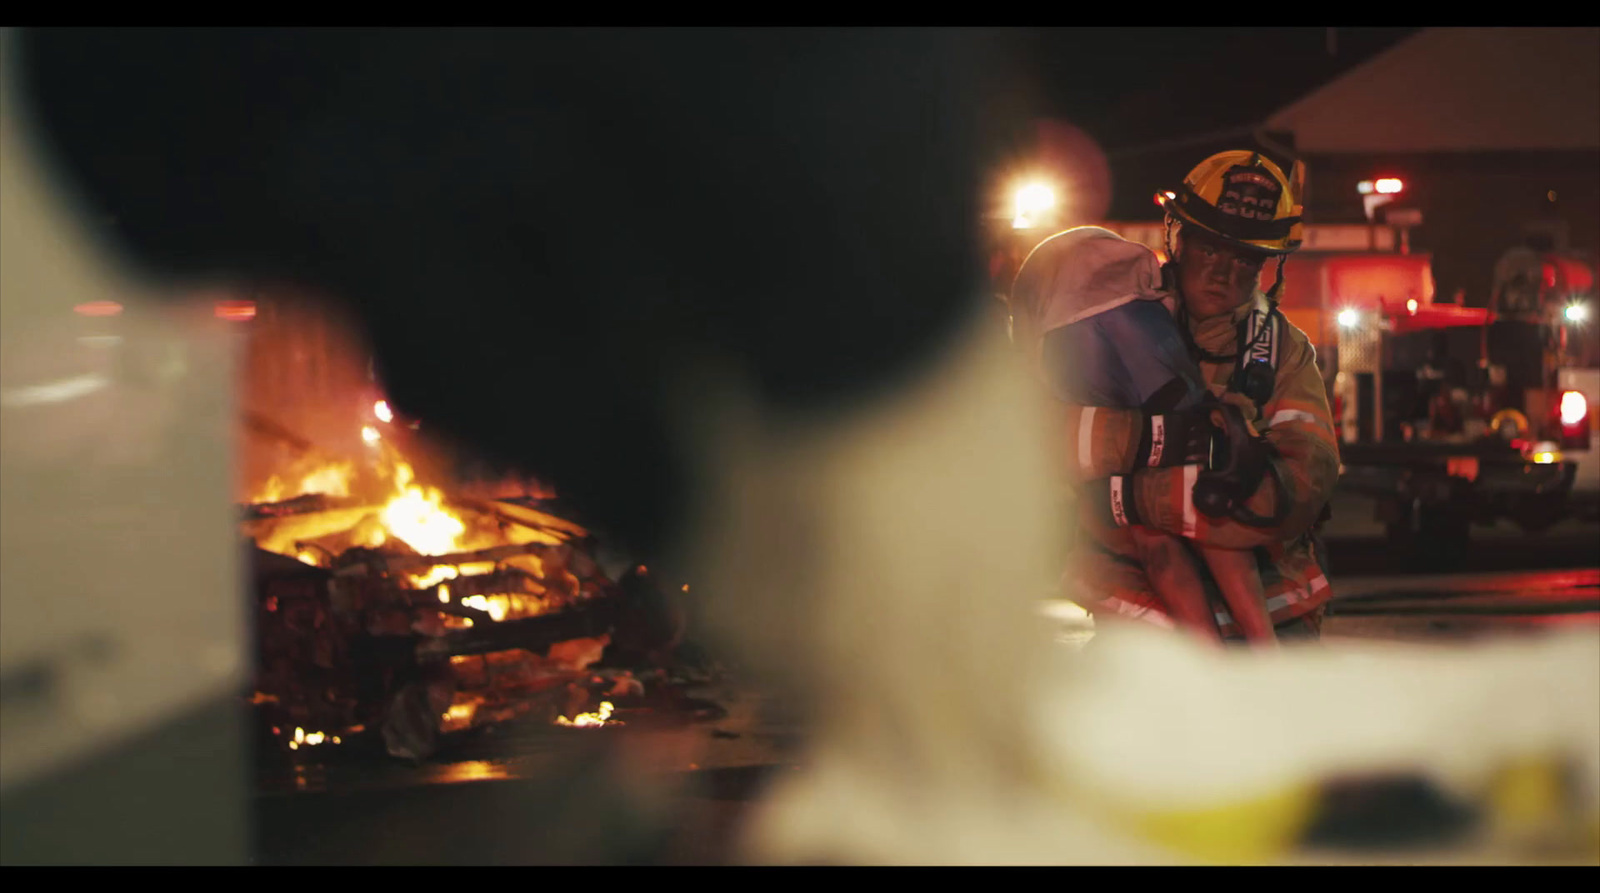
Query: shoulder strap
point(1260, 344)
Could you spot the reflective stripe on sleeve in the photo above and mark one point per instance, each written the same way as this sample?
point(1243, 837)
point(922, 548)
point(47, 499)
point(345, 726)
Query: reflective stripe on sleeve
point(1292, 415)
point(1086, 441)
point(1158, 439)
point(1191, 474)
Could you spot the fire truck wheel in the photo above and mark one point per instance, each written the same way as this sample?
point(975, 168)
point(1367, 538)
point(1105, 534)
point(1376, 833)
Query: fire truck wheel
point(1535, 525)
point(1538, 515)
point(1443, 532)
point(1429, 535)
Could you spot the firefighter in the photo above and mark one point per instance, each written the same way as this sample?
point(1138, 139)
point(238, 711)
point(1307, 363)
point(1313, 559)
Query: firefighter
point(1518, 275)
point(1235, 212)
point(1092, 307)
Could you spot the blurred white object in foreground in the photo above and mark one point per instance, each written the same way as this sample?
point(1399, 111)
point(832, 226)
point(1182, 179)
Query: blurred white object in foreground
point(883, 565)
point(121, 603)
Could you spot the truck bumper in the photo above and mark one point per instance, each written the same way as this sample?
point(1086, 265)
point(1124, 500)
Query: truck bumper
point(1529, 493)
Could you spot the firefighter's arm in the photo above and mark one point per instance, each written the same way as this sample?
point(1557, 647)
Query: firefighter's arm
point(1299, 428)
point(1099, 441)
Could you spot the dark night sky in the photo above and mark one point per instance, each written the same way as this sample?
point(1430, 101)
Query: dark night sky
point(1134, 90)
point(1132, 85)
point(460, 187)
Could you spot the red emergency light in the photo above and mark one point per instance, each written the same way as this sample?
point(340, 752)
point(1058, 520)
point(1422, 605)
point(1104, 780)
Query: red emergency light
point(235, 311)
point(1436, 316)
point(98, 308)
point(1574, 408)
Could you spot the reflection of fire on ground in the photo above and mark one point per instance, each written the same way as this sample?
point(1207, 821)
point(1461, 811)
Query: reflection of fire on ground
point(413, 612)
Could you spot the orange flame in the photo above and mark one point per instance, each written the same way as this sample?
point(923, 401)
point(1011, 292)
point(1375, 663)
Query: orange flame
point(417, 516)
point(331, 479)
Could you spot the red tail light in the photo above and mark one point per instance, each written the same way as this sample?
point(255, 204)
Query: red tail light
point(1574, 414)
point(1574, 408)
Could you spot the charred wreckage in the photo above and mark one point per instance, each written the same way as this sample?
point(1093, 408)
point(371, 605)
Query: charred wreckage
point(387, 613)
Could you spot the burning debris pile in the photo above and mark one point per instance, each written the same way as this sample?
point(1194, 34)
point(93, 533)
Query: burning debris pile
point(387, 609)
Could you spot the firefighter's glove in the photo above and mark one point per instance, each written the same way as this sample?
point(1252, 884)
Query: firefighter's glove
point(1238, 463)
point(1177, 437)
point(1112, 500)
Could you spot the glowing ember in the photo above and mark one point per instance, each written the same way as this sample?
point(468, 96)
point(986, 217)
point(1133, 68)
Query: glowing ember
point(496, 606)
point(501, 606)
point(459, 716)
point(382, 411)
point(302, 738)
point(436, 574)
point(472, 770)
point(590, 720)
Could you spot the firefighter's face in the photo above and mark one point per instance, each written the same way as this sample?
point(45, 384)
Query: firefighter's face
point(1215, 277)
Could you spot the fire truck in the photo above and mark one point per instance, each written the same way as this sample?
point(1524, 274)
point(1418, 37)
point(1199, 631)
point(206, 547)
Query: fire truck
point(1448, 416)
point(1451, 416)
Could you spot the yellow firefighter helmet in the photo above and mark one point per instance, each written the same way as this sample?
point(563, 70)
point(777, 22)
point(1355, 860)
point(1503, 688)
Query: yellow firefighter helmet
point(1245, 198)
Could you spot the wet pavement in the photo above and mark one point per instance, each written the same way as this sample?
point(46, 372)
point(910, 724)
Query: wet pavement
point(1464, 607)
point(673, 790)
point(661, 790)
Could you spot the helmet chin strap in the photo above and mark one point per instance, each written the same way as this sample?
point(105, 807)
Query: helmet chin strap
point(1277, 284)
